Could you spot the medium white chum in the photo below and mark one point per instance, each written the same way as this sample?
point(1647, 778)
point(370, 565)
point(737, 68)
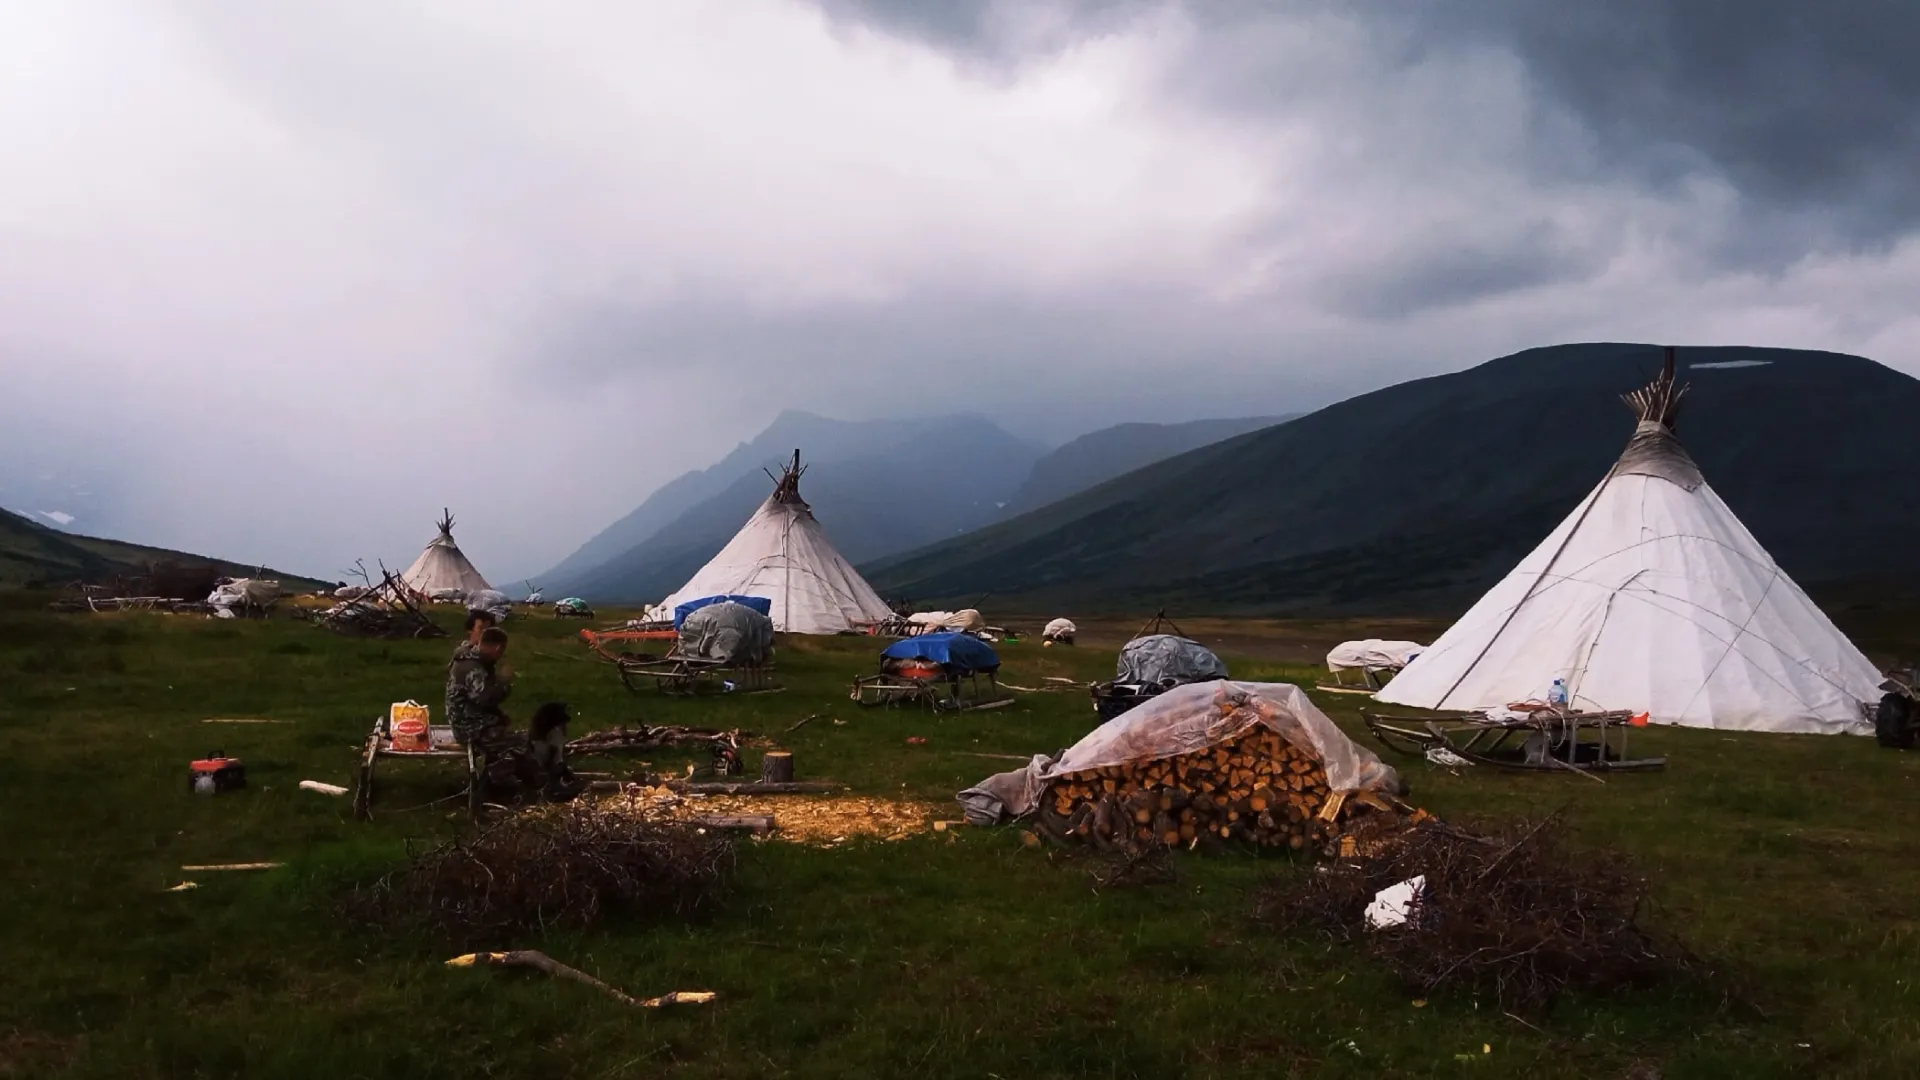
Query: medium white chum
point(1651, 597)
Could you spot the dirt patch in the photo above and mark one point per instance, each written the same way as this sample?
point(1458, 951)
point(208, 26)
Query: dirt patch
point(26, 1053)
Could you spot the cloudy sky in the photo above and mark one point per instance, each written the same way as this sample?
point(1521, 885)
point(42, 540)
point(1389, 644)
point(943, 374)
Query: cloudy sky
point(277, 281)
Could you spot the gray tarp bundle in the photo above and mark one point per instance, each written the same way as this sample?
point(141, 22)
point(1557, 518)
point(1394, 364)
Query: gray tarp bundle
point(492, 601)
point(1158, 658)
point(1181, 721)
point(731, 633)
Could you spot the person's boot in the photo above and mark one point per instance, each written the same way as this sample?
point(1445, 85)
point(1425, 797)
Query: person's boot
point(564, 786)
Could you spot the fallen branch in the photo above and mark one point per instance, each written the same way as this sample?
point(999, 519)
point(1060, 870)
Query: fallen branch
point(238, 720)
point(541, 962)
point(235, 866)
point(802, 722)
point(754, 787)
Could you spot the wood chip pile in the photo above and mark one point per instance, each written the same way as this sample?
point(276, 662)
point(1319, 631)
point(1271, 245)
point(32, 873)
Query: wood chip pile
point(1257, 790)
point(820, 821)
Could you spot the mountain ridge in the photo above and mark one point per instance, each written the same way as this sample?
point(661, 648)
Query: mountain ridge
point(1436, 486)
point(1100, 455)
point(32, 554)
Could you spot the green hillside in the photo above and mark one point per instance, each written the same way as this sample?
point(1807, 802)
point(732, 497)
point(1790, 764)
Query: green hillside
point(33, 554)
point(1422, 494)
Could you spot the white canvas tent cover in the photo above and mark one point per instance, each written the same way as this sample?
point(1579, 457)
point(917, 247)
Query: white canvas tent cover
point(442, 570)
point(1181, 721)
point(783, 554)
point(1651, 597)
point(1372, 654)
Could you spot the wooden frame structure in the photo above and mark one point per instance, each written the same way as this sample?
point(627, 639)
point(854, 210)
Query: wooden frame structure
point(1370, 681)
point(1543, 739)
point(936, 692)
point(676, 674)
point(445, 747)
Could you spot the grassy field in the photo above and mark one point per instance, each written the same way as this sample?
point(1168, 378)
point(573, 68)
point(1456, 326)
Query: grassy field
point(1788, 861)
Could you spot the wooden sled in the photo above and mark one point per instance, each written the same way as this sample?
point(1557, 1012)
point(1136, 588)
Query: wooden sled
point(1542, 740)
point(960, 693)
point(689, 675)
point(1369, 684)
point(444, 748)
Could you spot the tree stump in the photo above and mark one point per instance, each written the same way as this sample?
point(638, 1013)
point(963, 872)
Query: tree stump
point(777, 767)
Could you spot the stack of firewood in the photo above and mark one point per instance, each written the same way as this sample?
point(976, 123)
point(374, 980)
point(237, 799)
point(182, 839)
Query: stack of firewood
point(1257, 790)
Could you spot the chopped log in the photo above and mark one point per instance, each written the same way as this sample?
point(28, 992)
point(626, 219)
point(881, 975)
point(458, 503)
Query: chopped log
point(758, 824)
point(777, 767)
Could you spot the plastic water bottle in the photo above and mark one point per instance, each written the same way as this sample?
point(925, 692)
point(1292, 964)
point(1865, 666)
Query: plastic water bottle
point(1557, 697)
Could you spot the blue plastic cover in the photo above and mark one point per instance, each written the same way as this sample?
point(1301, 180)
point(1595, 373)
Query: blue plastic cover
point(963, 653)
point(761, 604)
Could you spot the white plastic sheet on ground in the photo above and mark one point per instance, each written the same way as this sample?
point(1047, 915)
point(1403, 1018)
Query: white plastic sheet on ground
point(1393, 905)
point(1181, 721)
point(245, 592)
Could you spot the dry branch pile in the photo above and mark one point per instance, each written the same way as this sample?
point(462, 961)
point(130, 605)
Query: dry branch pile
point(566, 866)
point(1513, 915)
point(654, 737)
point(1258, 789)
point(383, 611)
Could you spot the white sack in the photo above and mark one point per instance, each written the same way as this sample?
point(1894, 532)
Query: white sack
point(1372, 654)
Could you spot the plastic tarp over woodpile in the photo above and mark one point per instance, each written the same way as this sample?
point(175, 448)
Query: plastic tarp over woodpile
point(1160, 658)
point(1372, 654)
point(730, 633)
point(1181, 721)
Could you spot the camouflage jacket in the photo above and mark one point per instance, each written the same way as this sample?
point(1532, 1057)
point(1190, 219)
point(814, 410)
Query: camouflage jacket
point(474, 692)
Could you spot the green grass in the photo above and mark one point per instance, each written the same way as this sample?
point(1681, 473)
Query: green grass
point(1788, 861)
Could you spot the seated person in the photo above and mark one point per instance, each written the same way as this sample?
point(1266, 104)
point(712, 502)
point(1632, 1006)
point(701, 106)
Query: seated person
point(477, 623)
point(478, 682)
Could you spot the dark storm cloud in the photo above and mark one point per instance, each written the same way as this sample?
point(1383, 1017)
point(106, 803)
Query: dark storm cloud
point(1806, 110)
point(992, 31)
point(229, 234)
point(952, 349)
point(1463, 264)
